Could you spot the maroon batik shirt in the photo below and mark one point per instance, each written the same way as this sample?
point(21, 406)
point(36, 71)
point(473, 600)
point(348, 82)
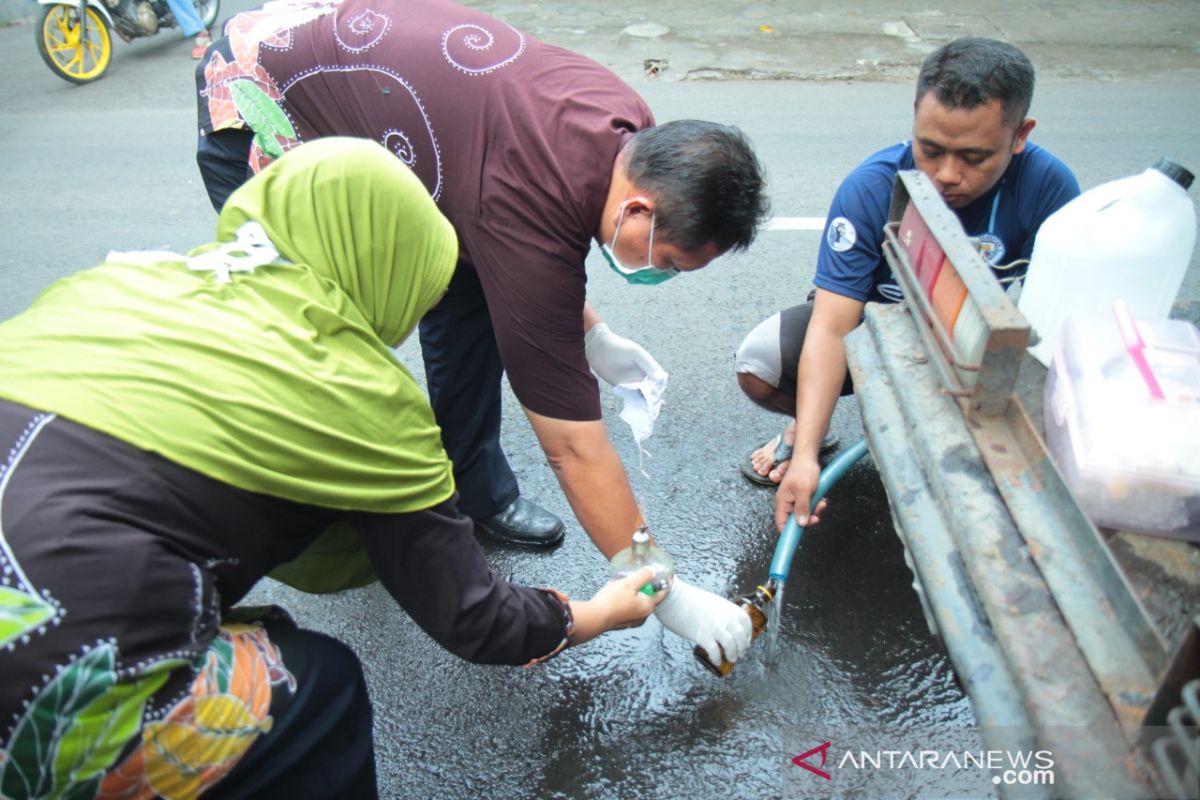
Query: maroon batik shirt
point(514, 138)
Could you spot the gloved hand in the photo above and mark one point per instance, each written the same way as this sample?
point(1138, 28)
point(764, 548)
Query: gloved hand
point(706, 619)
point(617, 359)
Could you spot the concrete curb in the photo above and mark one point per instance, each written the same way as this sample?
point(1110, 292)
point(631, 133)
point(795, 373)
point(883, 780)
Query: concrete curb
point(876, 40)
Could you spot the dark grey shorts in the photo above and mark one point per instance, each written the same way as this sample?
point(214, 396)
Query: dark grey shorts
point(771, 351)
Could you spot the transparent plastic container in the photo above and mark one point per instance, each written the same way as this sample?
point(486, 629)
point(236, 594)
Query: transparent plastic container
point(1128, 239)
point(1122, 402)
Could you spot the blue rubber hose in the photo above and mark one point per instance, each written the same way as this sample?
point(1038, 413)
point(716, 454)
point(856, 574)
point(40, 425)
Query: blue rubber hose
point(789, 540)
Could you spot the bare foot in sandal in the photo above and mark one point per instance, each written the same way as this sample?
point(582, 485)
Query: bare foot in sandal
point(764, 459)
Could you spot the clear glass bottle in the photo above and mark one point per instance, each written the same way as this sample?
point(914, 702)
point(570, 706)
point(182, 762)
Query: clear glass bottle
point(641, 553)
point(756, 606)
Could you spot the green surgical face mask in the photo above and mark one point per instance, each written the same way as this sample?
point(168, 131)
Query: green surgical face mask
point(645, 276)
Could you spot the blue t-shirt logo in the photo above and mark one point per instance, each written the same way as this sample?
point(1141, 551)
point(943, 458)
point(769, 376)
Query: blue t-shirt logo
point(841, 235)
point(991, 248)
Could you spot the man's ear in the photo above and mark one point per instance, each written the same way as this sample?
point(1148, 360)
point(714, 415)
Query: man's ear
point(639, 204)
point(1023, 134)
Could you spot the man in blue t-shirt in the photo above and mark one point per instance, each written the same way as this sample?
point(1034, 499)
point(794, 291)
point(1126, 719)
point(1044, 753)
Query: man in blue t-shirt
point(970, 137)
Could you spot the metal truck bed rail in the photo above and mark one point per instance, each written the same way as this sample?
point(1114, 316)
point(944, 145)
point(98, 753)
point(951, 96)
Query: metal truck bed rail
point(1042, 624)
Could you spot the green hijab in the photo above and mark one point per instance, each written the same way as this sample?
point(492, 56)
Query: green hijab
point(276, 378)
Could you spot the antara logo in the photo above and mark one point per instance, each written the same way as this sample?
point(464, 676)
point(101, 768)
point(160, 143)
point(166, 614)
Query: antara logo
point(823, 749)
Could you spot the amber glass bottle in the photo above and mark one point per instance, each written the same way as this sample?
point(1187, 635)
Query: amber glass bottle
point(756, 606)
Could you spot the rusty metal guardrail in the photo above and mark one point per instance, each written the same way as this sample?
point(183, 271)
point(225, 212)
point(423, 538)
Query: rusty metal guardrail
point(1017, 578)
point(978, 355)
point(1013, 651)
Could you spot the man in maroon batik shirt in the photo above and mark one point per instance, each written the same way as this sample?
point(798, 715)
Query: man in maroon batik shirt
point(532, 152)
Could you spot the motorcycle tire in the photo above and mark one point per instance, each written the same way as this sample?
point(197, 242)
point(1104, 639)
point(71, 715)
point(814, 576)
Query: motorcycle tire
point(66, 50)
point(208, 11)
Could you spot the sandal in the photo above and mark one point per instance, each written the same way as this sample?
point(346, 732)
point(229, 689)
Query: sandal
point(200, 44)
point(783, 452)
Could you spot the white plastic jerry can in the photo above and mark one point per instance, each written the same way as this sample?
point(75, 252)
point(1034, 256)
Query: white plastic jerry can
point(1129, 239)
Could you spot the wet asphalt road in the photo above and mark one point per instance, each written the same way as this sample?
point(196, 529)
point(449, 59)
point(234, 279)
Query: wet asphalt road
point(630, 714)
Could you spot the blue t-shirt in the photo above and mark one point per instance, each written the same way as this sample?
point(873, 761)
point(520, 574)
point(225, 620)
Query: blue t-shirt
point(1005, 219)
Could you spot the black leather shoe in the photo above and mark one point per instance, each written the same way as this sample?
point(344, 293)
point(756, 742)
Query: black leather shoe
point(526, 523)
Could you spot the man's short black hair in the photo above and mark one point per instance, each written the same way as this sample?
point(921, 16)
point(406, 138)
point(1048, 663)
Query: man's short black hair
point(973, 71)
point(707, 184)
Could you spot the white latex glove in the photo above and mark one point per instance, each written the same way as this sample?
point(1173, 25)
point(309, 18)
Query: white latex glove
point(710, 621)
point(617, 359)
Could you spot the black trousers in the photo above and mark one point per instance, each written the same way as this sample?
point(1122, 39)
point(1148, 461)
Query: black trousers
point(223, 158)
point(462, 371)
point(793, 326)
point(320, 746)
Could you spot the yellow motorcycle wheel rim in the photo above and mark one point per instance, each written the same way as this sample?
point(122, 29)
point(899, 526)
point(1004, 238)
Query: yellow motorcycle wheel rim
point(80, 58)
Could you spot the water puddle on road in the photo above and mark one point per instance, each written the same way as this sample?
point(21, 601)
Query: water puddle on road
point(635, 715)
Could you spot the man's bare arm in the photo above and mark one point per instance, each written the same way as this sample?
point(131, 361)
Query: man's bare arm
point(822, 368)
point(592, 477)
point(820, 376)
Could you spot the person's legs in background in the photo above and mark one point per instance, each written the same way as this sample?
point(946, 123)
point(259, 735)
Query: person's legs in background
point(190, 23)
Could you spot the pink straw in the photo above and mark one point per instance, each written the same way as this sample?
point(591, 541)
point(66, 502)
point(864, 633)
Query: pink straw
point(1136, 347)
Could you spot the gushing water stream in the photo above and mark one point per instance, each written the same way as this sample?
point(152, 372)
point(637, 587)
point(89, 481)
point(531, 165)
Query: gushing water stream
point(774, 613)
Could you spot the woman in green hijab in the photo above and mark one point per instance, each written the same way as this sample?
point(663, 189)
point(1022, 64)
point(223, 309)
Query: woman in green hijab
point(176, 427)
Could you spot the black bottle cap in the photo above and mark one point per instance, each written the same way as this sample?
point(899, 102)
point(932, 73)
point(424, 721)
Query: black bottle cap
point(1175, 172)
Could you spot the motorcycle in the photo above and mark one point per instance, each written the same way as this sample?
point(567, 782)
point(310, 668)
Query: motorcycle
point(75, 38)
